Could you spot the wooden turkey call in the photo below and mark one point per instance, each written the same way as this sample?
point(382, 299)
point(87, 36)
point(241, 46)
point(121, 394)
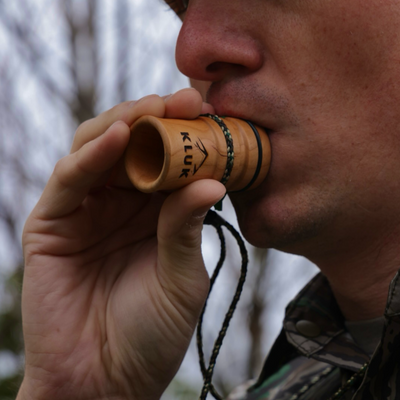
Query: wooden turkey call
point(167, 154)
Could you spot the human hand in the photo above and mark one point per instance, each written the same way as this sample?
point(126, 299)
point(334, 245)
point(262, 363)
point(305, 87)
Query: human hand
point(114, 279)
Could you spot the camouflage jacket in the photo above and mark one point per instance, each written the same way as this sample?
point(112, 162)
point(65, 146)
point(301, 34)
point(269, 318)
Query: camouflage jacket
point(315, 356)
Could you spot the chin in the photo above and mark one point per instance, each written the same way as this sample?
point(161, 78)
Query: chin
point(293, 227)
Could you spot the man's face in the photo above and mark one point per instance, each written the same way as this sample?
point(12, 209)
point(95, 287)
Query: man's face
point(323, 76)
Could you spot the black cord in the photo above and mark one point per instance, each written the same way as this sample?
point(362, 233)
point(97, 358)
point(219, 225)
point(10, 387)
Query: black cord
point(218, 222)
point(200, 323)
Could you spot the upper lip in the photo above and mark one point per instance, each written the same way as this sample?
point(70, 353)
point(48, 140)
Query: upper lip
point(225, 105)
point(269, 125)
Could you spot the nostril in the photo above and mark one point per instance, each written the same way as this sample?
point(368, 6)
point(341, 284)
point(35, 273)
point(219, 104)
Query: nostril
point(214, 67)
point(222, 66)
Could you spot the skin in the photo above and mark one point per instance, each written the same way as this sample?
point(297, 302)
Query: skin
point(322, 76)
point(114, 279)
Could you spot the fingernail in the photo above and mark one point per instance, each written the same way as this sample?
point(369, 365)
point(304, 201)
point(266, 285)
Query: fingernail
point(201, 212)
point(143, 99)
point(178, 92)
point(116, 123)
point(168, 97)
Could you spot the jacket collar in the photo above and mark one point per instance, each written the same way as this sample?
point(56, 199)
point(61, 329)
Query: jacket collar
point(314, 325)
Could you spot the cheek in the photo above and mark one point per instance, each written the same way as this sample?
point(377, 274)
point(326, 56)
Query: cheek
point(341, 68)
point(337, 53)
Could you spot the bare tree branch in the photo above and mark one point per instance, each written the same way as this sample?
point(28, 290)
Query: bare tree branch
point(123, 26)
point(257, 307)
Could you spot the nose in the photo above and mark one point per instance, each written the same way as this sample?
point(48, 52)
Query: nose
point(216, 43)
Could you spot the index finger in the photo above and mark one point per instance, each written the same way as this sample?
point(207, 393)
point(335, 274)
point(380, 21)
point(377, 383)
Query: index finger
point(127, 112)
point(75, 174)
point(184, 104)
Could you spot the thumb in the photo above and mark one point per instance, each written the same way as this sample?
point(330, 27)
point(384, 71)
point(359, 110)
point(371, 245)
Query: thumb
point(180, 262)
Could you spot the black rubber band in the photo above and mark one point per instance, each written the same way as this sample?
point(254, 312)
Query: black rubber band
point(260, 158)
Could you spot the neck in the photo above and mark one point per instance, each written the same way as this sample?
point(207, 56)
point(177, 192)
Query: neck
point(360, 275)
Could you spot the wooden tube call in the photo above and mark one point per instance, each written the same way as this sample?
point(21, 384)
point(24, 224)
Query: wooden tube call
point(167, 154)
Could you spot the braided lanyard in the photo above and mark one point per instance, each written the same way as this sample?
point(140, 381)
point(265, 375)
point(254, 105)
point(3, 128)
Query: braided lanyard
point(218, 222)
point(229, 153)
point(229, 147)
point(356, 378)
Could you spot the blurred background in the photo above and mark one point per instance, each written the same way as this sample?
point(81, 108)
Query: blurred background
point(61, 63)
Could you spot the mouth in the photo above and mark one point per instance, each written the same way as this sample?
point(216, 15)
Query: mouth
point(262, 111)
point(251, 147)
point(259, 122)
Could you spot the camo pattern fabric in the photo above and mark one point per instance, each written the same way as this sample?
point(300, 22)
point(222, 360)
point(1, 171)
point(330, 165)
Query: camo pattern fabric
point(313, 364)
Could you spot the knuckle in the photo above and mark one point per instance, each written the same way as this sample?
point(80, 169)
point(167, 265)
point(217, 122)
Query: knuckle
point(82, 134)
point(95, 127)
point(117, 112)
point(83, 127)
point(62, 170)
point(60, 166)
